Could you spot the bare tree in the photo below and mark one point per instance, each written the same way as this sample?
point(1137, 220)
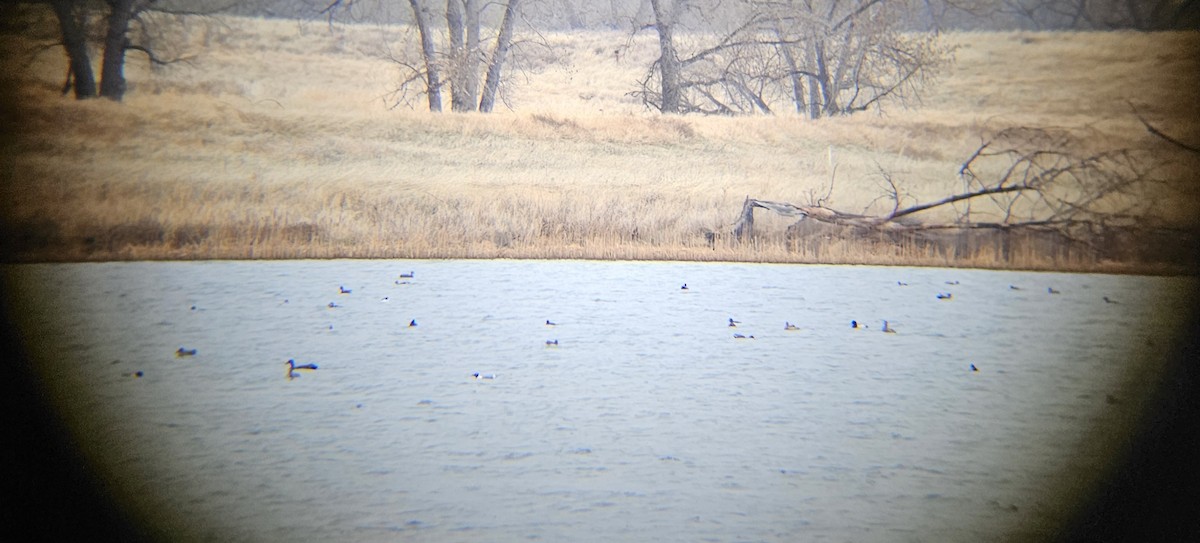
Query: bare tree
point(499, 53)
point(121, 19)
point(1019, 180)
point(433, 84)
point(825, 57)
point(668, 64)
point(462, 21)
point(459, 60)
point(71, 22)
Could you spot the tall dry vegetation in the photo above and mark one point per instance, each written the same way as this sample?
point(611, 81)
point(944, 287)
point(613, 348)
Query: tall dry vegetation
point(278, 141)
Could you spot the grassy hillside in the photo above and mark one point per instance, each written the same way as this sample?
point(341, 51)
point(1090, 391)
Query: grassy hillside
point(281, 139)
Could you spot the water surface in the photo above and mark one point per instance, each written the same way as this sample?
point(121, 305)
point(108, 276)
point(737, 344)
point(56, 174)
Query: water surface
point(648, 420)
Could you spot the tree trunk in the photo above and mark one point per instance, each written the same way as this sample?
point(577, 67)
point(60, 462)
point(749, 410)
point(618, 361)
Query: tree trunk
point(433, 87)
point(471, 62)
point(828, 88)
point(797, 85)
point(492, 85)
point(112, 70)
point(815, 85)
point(668, 62)
point(459, 99)
point(77, 54)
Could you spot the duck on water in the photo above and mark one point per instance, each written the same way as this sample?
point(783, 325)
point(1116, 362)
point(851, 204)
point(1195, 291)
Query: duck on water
point(292, 367)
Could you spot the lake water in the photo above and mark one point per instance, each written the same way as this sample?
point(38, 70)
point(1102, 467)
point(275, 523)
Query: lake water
point(648, 420)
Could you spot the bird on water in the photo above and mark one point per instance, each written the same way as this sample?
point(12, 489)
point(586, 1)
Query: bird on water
point(789, 326)
point(412, 323)
point(408, 275)
point(887, 329)
point(343, 290)
point(185, 352)
point(293, 367)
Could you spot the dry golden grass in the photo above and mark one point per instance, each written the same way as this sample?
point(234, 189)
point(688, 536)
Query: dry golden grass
point(278, 141)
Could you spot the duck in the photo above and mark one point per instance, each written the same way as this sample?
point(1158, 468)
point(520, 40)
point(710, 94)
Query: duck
point(684, 287)
point(1109, 301)
point(973, 368)
point(333, 304)
point(857, 326)
point(789, 326)
point(182, 352)
point(739, 336)
point(136, 375)
point(548, 323)
point(478, 375)
point(412, 323)
point(551, 342)
point(887, 329)
point(343, 290)
point(408, 275)
point(293, 367)
point(1013, 287)
point(385, 299)
point(733, 323)
point(955, 282)
point(854, 324)
point(945, 296)
point(902, 283)
point(1052, 291)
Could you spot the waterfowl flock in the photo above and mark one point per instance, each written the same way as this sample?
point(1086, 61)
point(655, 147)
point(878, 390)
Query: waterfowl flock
point(294, 369)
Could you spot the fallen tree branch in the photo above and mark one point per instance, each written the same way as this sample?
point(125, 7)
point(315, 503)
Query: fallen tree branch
point(1160, 133)
point(1027, 178)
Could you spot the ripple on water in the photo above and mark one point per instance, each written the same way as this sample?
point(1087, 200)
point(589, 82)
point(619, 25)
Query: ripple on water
point(647, 419)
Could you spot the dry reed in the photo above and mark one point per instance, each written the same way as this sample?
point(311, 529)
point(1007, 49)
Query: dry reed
point(278, 142)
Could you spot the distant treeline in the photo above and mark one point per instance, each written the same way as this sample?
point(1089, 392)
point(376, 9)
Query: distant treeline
point(921, 15)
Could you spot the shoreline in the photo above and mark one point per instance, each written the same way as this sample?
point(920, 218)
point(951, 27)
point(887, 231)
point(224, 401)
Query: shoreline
point(1181, 269)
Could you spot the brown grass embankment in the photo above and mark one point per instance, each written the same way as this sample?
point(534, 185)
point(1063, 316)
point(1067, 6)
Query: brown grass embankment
point(277, 142)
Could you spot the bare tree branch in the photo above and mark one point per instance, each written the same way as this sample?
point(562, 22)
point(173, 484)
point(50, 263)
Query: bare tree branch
point(1160, 134)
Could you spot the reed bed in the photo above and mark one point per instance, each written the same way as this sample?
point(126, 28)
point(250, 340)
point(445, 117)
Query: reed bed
point(279, 141)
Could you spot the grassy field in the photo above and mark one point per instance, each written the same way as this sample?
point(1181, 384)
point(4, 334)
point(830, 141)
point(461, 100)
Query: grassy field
point(278, 140)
